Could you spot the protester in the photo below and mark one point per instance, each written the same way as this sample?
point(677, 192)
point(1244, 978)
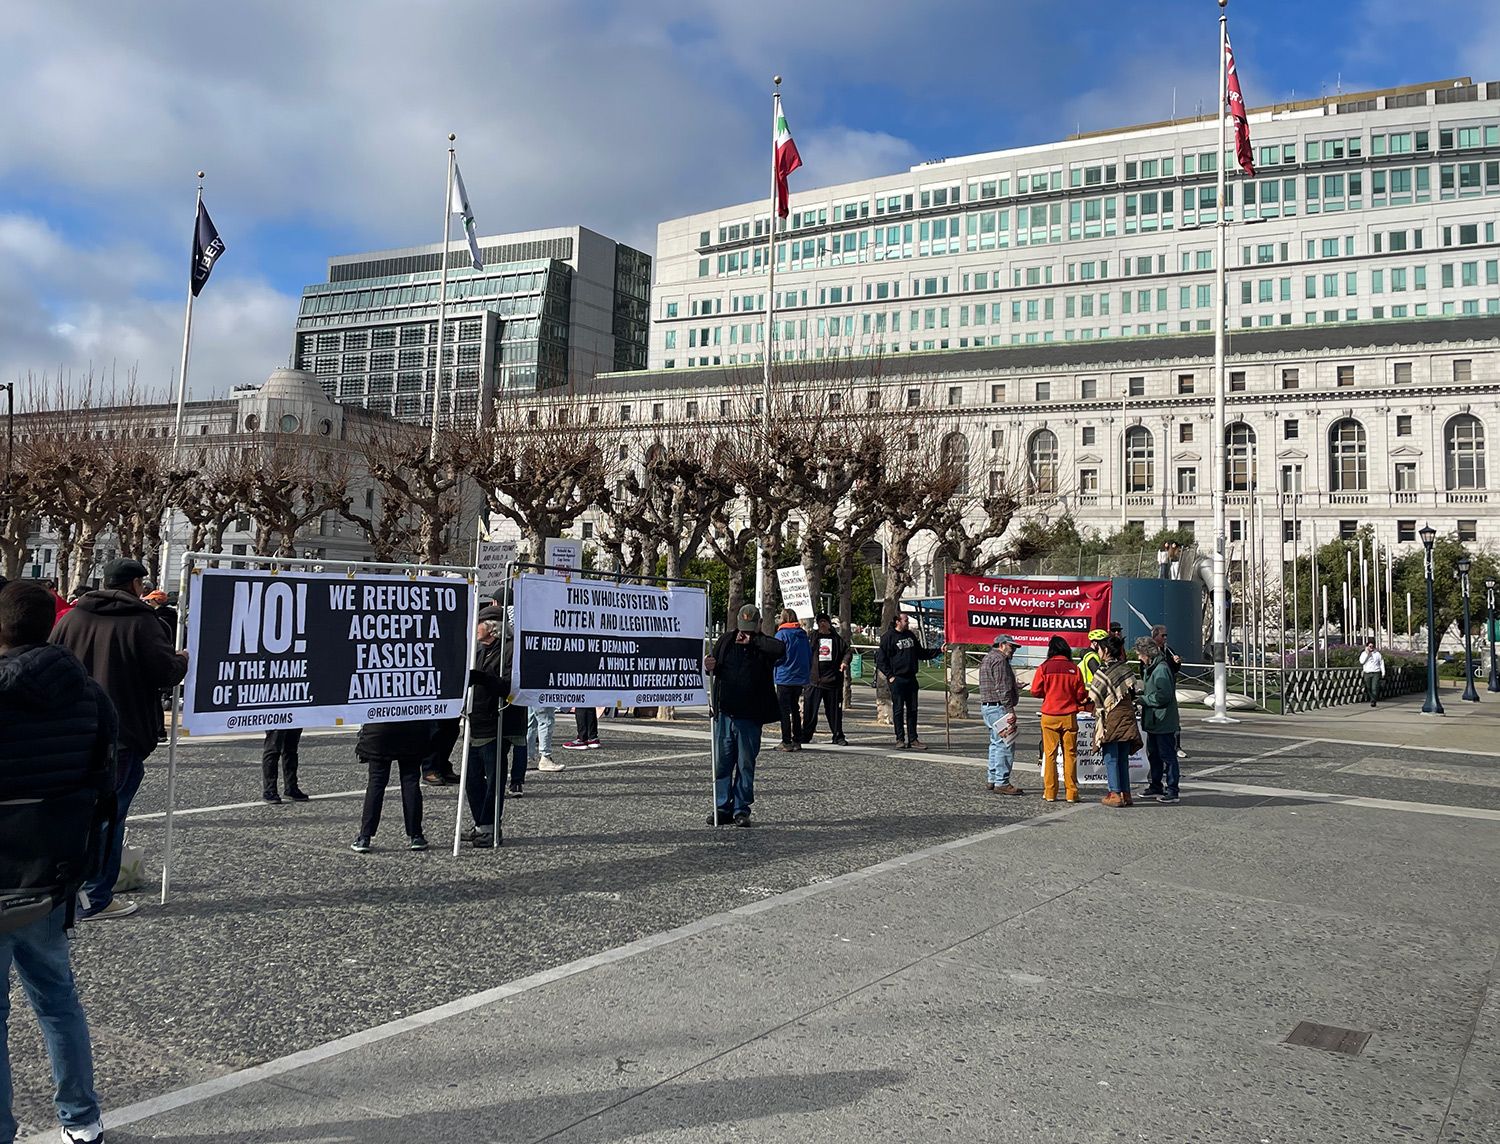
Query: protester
point(60, 606)
point(378, 745)
point(57, 742)
point(830, 665)
point(437, 767)
point(998, 696)
point(539, 724)
point(743, 666)
point(167, 614)
point(1159, 719)
point(1372, 668)
point(586, 720)
point(1089, 661)
point(488, 685)
point(1117, 629)
point(281, 746)
point(126, 649)
point(792, 676)
point(896, 658)
point(1060, 687)
point(1113, 692)
point(512, 751)
point(1174, 661)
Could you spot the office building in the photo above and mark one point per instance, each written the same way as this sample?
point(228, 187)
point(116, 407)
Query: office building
point(549, 307)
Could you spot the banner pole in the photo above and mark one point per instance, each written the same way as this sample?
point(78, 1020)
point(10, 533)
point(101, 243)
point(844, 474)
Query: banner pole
point(713, 726)
point(500, 778)
point(166, 845)
point(463, 758)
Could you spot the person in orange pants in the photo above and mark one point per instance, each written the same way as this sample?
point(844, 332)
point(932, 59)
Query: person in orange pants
point(1060, 686)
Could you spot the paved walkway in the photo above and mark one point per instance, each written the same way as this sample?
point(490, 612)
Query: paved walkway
point(1068, 974)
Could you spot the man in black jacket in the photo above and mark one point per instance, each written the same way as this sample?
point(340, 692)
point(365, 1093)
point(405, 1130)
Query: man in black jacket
point(896, 658)
point(124, 646)
point(57, 736)
point(489, 683)
point(830, 662)
point(744, 700)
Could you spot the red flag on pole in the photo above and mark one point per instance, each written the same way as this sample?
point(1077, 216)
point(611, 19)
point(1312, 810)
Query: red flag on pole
point(1237, 111)
point(785, 159)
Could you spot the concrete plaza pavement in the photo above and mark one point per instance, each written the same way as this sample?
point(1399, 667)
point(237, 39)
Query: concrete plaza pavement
point(892, 954)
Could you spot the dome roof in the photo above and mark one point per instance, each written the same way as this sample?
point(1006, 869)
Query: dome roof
point(293, 385)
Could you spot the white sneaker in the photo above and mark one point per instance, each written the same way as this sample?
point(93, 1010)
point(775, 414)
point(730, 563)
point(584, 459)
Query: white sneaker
point(546, 763)
point(117, 908)
point(88, 1134)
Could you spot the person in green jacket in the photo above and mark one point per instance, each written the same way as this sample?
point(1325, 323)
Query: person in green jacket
point(1160, 721)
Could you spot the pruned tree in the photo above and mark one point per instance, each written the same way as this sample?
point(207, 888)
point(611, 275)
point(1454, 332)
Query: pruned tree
point(293, 485)
point(419, 489)
point(20, 507)
point(213, 493)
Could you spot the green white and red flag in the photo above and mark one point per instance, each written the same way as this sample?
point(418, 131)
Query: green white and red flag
point(786, 160)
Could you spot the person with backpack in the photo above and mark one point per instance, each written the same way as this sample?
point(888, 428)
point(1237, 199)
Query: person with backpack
point(1060, 686)
point(57, 796)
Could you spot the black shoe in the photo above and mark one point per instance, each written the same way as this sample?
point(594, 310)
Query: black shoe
point(720, 817)
point(841, 742)
point(1168, 799)
point(417, 842)
point(449, 778)
point(360, 845)
point(297, 794)
point(1152, 792)
point(516, 791)
point(742, 818)
point(272, 797)
point(485, 840)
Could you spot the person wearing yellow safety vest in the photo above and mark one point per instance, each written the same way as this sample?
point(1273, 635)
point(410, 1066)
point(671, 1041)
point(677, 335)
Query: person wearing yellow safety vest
point(1090, 661)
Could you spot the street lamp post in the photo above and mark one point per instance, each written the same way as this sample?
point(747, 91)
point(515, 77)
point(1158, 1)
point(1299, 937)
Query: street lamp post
point(1471, 693)
point(1433, 705)
point(1489, 633)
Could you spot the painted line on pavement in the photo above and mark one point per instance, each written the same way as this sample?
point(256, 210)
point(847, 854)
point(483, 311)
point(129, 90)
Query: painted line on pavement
point(193, 1094)
point(1250, 759)
point(1359, 801)
point(1385, 744)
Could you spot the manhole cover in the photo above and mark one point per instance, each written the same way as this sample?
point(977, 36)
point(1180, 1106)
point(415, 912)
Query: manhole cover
point(1329, 1038)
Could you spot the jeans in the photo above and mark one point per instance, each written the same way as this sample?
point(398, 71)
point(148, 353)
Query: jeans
point(734, 774)
point(587, 719)
point(479, 784)
point(40, 954)
point(130, 769)
point(282, 746)
point(1117, 767)
point(411, 794)
point(539, 722)
point(1161, 753)
point(789, 699)
point(904, 707)
point(1002, 751)
point(1372, 686)
point(831, 698)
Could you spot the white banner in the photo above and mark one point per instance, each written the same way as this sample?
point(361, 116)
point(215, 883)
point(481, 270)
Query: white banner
point(1091, 760)
point(494, 557)
point(592, 643)
point(559, 552)
point(795, 593)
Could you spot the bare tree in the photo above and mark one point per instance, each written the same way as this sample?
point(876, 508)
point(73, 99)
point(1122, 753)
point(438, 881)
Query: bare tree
point(214, 493)
point(293, 486)
point(418, 488)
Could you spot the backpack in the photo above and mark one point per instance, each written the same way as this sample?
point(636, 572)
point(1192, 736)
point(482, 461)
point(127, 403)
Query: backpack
point(49, 847)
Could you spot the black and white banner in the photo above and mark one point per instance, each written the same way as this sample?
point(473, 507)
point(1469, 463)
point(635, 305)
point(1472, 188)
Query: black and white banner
point(272, 651)
point(590, 643)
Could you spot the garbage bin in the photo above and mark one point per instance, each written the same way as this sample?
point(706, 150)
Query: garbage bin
point(857, 666)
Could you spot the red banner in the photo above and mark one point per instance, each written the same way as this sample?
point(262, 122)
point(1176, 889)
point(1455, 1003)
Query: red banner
point(976, 609)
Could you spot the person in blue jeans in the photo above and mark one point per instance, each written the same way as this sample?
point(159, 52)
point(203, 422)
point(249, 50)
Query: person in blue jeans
point(1160, 720)
point(744, 700)
point(998, 696)
point(792, 676)
point(57, 741)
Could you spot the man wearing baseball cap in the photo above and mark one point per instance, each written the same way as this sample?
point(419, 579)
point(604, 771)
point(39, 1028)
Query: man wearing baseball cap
point(998, 695)
point(125, 647)
point(744, 700)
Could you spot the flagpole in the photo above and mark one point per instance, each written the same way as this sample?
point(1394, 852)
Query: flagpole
point(1220, 593)
point(437, 377)
point(164, 559)
point(771, 280)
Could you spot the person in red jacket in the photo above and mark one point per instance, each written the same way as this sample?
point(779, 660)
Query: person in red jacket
point(1060, 686)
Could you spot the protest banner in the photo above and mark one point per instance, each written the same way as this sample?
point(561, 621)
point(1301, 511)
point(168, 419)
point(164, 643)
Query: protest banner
point(1091, 759)
point(560, 552)
point(794, 591)
point(277, 650)
point(978, 608)
point(493, 558)
point(592, 643)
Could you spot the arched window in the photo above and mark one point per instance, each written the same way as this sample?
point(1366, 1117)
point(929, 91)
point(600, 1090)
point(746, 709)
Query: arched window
point(1041, 463)
point(1348, 457)
point(956, 458)
point(1239, 458)
point(1463, 452)
point(1140, 460)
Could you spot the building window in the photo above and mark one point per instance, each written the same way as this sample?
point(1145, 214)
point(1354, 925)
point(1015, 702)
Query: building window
point(1088, 389)
point(1184, 383)
point(1290, 378)
point(997, 438)
point(1187, 481)
point(955, 454)
point(955, 395)
point(1184, 432)
point(913, 440)
point(1348, 456)
point(1239, 458)
point(625, 411)
point(872, 399)
point(1468, 531)
point(692, 411)
point(1289, 429)
point(1463, 369)
point(1044, 391)
point(1348, 529)
point(1346, 375)
point(1089, 435)
point(724, 407)
point(658, 411)
point(1140, 460)
point(1237, 381)
point(1401, 373)
point(835, 401)
point(997, 392)
point(913, 398)
point(588, 530)
point(1291, 531)
point(1463, 452)
point(1041, 463)
point(1406, 477)
point(1136, 387)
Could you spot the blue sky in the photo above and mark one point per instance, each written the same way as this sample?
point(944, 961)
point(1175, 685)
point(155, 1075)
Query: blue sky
point(322, 127)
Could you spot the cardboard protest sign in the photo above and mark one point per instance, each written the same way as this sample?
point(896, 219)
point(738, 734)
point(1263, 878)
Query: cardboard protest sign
point(273, 651)
point(591, 643)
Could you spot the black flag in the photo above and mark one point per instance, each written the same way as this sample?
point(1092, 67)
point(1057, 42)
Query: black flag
point(207, 246)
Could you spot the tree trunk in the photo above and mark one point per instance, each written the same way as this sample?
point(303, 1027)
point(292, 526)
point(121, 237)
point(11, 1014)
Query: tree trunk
point(65, 579)
point(737, 578)
point(847, 557)
point(956, 665)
